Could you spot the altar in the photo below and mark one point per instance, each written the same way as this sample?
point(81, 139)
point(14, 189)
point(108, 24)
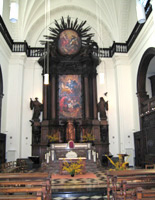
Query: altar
point(70, 108)
point(60, 150)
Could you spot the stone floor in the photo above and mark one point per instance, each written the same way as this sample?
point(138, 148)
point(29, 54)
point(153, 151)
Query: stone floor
point(80, 188)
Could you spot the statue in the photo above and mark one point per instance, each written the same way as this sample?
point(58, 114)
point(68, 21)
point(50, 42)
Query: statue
point(37, 107)
point(70, 131)
point(102, 106)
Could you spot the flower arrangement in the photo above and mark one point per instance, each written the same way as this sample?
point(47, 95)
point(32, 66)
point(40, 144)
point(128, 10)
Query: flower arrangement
point(53, 138)
point(88, 137)
point(73, 167)
point(119, 165)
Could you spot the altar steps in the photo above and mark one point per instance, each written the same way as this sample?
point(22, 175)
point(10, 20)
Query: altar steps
point(53, 166)
point(82, 194)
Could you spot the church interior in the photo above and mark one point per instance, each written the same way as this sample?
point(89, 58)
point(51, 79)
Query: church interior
point(77, 99)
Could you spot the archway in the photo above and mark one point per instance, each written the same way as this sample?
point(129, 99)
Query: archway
point(141, 80)
point(144, 139)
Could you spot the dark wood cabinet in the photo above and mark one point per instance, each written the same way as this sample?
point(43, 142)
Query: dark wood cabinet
point(2, 147)
point(145, 141)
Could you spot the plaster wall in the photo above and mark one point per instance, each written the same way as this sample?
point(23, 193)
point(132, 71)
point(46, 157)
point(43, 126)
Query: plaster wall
point(144, 41)
point(23, 80)
point(118, 85)
point(14, 111)
point(32, 87)
point(5, 54)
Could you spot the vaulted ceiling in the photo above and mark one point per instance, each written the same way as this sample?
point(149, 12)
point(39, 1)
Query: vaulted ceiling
point(110, 20)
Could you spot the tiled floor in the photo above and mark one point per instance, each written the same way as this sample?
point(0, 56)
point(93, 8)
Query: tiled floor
point(76, 189)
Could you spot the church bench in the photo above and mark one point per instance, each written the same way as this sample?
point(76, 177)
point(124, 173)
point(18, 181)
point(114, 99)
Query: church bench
point(9, 167)
point(19, 197)
point(25, 176)
point(127, 189)
point(26, 181)
point(115, 179)
point(144, 194)
point(39, 192)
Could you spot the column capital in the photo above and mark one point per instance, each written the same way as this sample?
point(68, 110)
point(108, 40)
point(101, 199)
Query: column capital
point(120, 59)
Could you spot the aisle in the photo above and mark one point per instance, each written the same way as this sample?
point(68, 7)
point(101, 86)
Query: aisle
point(90, 186)
point(80, 188)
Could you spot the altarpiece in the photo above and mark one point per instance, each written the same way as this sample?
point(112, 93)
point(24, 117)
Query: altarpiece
point(70, 99)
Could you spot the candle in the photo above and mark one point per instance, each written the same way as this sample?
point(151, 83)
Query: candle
point(94, 156)
point(89, 154)
point(47, 158)
point(52, 155)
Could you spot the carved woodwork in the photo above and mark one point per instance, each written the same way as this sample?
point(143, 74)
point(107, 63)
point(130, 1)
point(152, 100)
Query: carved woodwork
point(2, 147)
point(80, 62)
point(145, 138)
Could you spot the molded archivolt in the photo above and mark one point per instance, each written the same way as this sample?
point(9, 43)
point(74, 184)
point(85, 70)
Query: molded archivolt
point(142, 71)
point(102, 35)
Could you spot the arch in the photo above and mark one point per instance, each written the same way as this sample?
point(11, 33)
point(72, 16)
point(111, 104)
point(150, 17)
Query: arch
point(1, 94)
point(142, 95)
point(142, 71)
point(35, 25)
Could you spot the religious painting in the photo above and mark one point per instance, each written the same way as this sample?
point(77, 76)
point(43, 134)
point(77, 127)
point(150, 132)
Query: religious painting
point(70, 102)
point(69, 42)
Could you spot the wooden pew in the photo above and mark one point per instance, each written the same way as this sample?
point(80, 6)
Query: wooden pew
point(115, 181)
point(10, 167)
point(38, 183)
point(144, 194)
point(19, 197)
point(37, 191)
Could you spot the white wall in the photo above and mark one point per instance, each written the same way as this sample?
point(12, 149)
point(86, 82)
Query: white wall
point(145, 40)
point(121, 85)
point(32, 88)
point(118, 85)
point(23, 80)
point(5, 54)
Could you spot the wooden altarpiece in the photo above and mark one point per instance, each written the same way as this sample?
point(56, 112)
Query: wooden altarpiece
point(70, 98)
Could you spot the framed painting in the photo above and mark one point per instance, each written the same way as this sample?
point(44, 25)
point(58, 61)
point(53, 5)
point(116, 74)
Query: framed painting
point(69, 96)
point(69, 42)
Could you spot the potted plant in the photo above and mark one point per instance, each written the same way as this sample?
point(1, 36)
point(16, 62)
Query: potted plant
point(88, 137)
point(73, 167)
point(119, 165)
point(53, 138)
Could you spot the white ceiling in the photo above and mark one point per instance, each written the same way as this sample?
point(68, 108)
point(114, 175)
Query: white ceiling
point(111, 20)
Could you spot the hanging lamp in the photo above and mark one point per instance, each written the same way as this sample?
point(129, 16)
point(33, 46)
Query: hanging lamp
point(14, 6)
point(141, 17)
